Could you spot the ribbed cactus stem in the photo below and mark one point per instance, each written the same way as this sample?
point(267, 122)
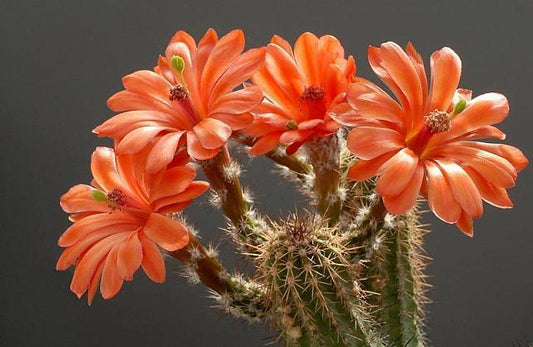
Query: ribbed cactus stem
point(394, 272)
point(311, 287)
point(223, 175)
point(324, 156)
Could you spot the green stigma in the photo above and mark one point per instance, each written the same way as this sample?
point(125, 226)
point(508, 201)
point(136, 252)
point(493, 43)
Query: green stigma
point(178, 63)
point(291, 125)
point(99, 196)
point(459, 107)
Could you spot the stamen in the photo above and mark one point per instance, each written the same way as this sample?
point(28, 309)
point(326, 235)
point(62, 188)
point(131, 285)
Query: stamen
point(313, 94)
point(312, 102)
point(291, 125)
point(116, 198)
point(178, 93)
point(438, 121)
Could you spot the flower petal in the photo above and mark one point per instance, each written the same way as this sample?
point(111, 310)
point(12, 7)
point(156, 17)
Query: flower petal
point(129, 256)
point(168, 233)
point(152, 260)
point(397, 173)
point(406, 200)
point(306, 55)
point(366, 169)
point(80, 199)
point(440, 196)
point(111, 280)
point(212, 133)
point(163, 151)
point(266, 144)
point(196, 150)
point(463, 188)
point(370, 142)
point(445, 76)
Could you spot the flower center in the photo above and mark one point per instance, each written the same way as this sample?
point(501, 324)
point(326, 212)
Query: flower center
point(313, 101)
point(178, 93)
point(116, 198)
point(438, 121)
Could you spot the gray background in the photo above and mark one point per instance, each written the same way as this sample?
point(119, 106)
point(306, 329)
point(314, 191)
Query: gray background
point(60, 61)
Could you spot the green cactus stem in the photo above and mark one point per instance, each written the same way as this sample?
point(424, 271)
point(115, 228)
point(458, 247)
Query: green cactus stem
point(395, 262)
point(311, 288)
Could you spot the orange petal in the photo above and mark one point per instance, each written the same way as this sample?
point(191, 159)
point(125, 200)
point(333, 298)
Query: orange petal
point(397, 173)
point(266, 144)
point(95, 281)
point(194, 190)
point(237, 102)
point(306, 55)
point(234, 121)
point(163, 151)
point(292, 136)
point(493, 168)
point(371, 101)
point(80, 199)
point(496, 196)
point(111, 280)
point(405, 76)
point(100, 222)
point(168, 233)
point(226, 50)
point(71, 254)
point(406, 200)
point(129, 256)
point(418, 63)
point(137, 139)
point(370, 142)
point(445, 76)
point(212, 133)
point(239, 71)
point(510, 153)
point(87, 266)
point(104, 170)
point(366, 169)
point(486, 109)
point(196, 150)
point(440, 196)
point(465, 224)
point(278, 40)
point(172, 181)
point(152, 260)
point(463, 188)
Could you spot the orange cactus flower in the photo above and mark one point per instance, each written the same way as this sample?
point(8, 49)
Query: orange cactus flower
point(427, 142)
point(189, 99)
point(120, 221)
point(300, 88)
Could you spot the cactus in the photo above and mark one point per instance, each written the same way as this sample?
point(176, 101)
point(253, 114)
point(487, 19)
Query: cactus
point(311, 286)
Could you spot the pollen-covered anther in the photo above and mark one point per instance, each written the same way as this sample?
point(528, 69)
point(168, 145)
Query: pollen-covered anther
point(313, 94)
point(438, 121)
point(116, 198)
point(178, 93)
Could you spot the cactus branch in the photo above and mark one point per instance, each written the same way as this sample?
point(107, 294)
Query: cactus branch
point(248, 226)
point(394, 272)
point(324, 155)
point(238, 296)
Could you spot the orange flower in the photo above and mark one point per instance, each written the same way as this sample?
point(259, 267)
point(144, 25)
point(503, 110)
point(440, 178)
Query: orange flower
point(120, 220)
point(300, 88)
point(190, 99)
point(426, 142)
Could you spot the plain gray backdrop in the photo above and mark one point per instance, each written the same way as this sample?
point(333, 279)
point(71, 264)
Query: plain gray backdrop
point(61, 60)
